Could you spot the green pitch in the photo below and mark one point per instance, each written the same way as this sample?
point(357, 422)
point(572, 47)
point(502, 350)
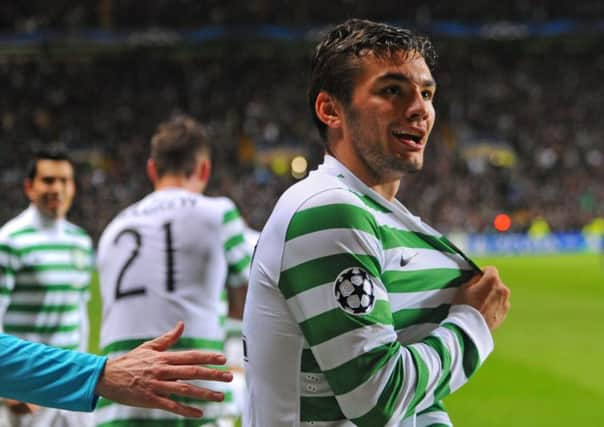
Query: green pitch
point(547, 366)
point(546, 370)
point(94, 315)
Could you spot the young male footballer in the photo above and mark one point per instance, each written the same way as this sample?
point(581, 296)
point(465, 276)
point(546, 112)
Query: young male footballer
point(358, 313)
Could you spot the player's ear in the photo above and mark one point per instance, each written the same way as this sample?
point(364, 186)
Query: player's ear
point(28, 186)
point(205, 170)
point(151, 171)
point(328, 110)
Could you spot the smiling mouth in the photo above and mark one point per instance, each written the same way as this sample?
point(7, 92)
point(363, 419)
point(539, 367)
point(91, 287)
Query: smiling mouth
point(53, 202)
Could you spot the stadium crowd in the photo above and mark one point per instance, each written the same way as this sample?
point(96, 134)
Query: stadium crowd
point(519, 127)
point(40, 15)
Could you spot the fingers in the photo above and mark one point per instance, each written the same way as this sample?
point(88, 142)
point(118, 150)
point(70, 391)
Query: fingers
point(170, 405)
point(193, 357)
point(488, 294)
point(497, 299)
point(166, 340)
point(487, 280)
point(11, 402)
point(474, 279)
point(20, 408)
point(491, 273)
point(194, 373)
point(167, 388)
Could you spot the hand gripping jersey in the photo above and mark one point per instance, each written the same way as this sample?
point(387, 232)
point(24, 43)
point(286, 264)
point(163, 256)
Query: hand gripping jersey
point(164, 259)
point(348, 318)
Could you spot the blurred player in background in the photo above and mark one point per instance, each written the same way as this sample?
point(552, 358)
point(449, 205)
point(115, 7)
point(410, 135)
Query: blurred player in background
point(233, 345)
point(45, 265)
point(167, 258)
point(358, 313)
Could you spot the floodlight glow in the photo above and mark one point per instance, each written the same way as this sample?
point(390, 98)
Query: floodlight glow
point(502, 223)
point(299, 166)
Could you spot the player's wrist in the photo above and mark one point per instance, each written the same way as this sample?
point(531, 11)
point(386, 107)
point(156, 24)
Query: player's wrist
point(473, 323)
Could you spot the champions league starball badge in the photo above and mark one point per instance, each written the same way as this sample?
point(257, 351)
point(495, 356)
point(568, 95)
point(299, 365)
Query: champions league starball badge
point(354, 290)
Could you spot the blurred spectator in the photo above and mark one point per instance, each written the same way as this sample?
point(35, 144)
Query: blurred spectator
point(535, 104)
point(38, 14)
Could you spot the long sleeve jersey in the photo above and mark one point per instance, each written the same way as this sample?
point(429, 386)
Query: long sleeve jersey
point(348, 319)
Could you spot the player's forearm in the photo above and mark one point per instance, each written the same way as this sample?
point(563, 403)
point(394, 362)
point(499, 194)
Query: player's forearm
point(452, 353)
point(236, 301)
point(435, 415)
point(390, 382)
point(48, 376)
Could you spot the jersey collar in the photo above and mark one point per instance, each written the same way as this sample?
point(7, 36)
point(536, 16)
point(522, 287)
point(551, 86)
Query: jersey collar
point(41, 221)
point(332, 167)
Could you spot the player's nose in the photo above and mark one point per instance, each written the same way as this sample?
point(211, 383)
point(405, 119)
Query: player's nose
point(417, 109)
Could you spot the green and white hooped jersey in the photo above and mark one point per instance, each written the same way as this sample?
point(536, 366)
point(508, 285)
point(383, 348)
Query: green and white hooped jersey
point(164, 259)
point(45, 268)
point(348, 319)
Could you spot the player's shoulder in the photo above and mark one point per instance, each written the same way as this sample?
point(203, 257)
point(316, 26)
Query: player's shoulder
point(198, 203)
point(335, 196)
point(320, 191)
point(21, 224)
point(116, 222)
point(72, 229)
point(223, 209)
point(313, 199)
point(221, 203)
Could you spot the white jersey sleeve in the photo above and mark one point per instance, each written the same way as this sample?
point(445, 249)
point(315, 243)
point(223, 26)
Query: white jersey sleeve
point(236, 246)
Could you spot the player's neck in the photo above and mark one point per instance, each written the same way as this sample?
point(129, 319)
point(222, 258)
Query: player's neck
point(178, 181)
point(386, 185)
point(388, 189)
point(45, 217)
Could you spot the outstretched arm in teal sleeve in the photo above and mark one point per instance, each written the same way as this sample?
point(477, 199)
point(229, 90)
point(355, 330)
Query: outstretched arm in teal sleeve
point(48, 376)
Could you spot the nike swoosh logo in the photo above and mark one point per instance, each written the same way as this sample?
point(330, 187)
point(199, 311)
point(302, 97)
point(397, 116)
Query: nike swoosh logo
point(406, 261)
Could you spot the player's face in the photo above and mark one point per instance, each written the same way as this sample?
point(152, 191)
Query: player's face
point(391, 115)
point(53, 188)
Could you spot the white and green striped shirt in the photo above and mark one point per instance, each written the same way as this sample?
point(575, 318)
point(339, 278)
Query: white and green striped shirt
point(45, 268)
point(317, 356)
point(164, 259)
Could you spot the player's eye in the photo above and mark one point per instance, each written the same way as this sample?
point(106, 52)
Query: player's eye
point(428, 95)
point(392, 90)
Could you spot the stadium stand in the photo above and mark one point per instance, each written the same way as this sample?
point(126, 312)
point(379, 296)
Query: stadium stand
point(518, 127)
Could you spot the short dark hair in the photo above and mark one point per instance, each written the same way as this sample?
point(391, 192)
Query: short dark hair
point(335, 61)
point(47, 153)
point(176, 145)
